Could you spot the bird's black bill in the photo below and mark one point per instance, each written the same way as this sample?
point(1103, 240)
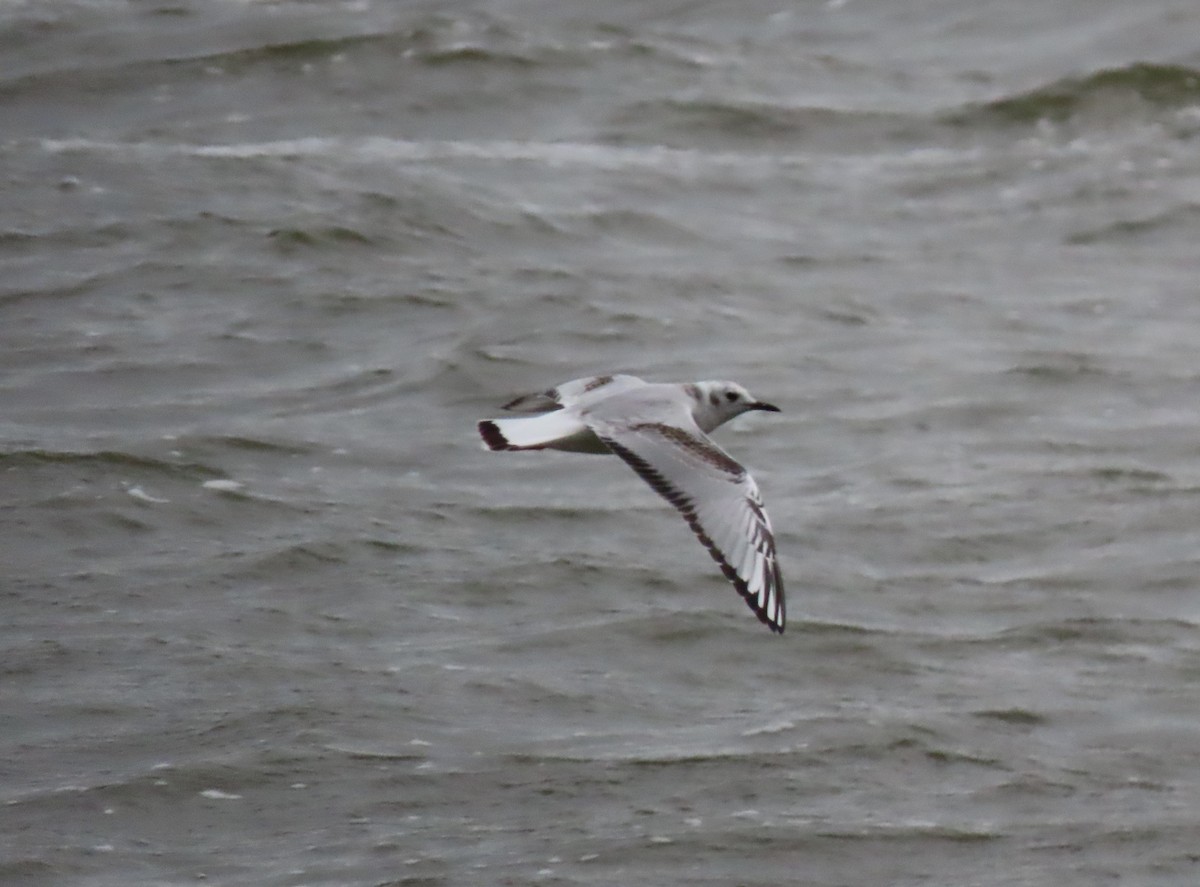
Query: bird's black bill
point(769, 407)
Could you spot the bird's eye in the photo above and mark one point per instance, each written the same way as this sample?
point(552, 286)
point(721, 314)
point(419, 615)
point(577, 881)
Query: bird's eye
point(731, 396)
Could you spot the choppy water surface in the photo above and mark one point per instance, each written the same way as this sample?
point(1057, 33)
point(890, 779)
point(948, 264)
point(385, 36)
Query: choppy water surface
point(272, 617)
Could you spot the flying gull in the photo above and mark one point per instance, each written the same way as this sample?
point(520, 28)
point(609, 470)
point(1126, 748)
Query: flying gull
point(661, 432)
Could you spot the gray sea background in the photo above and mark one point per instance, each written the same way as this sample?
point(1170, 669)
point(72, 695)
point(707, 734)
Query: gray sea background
point(272, 617)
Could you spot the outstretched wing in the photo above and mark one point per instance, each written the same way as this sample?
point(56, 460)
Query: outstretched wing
point(572, 393)
point(716, 496)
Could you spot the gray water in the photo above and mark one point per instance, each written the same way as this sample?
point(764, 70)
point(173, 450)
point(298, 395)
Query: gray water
point(271, 616)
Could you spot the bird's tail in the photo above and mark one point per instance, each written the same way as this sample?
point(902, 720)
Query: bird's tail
point(530, 432)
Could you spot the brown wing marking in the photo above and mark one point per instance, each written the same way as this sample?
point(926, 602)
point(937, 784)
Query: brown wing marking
point(696, 446)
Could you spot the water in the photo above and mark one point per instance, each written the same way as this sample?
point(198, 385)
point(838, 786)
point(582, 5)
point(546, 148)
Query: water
point(273, 618)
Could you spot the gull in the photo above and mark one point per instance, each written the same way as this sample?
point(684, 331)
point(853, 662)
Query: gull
point(661, 431)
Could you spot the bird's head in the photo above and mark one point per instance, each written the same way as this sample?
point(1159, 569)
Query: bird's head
point(718, 402)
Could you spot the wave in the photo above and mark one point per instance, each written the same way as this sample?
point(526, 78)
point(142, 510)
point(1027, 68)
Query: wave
point(1147, 229)
point(756, 121)
point(1157, 86)
point(672, 163)
point(107, 460)
point(397, 150)
point(472, 39)
point(1118, 632)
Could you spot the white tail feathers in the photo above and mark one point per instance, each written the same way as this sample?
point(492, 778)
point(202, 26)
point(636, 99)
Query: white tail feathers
point(557, 430)
point(492, 432)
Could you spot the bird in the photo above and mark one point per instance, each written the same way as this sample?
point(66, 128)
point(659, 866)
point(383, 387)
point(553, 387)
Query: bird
point(660, 430)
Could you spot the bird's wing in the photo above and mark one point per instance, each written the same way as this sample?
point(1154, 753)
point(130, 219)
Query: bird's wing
point(716, 496)
point(573, 393)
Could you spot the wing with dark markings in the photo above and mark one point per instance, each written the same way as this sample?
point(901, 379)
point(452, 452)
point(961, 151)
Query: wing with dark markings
point(716, 496)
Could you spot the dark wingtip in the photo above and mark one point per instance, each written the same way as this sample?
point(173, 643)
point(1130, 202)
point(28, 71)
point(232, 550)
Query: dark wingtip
point(492, 436)
point(684, 506)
